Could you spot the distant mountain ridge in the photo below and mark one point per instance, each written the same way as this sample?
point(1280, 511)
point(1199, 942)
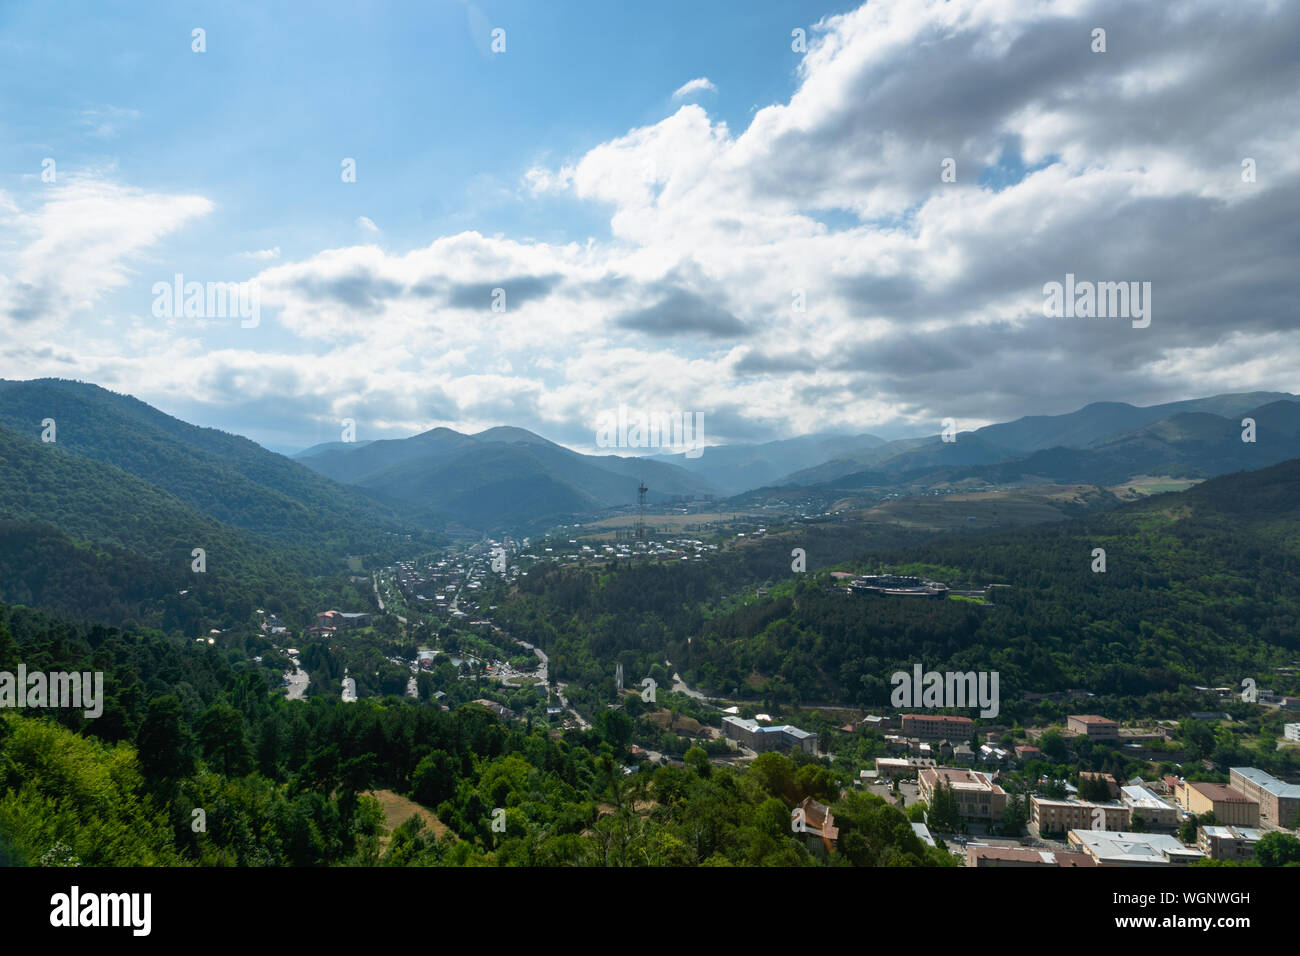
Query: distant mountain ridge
point(1089, 427)
point(500, 478)
point(1189, 444)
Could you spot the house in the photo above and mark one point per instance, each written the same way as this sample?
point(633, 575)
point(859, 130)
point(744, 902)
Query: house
point(505, 713)
point(816, 820)
point(1028, 752)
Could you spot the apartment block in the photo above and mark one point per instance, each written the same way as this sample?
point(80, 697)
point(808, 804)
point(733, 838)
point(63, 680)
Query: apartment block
point(935, 727)
point(901, 768)
point(1278, 801)
point(761, 739)
point(1133, 849)
point(1230, 807)
point(1227, 843)
point(1058, 816)
point(1145, 804)
point(1092, 726)
point(987, 856)
point(978, 797)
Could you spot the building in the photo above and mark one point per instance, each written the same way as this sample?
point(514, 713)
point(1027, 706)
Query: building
point(1109, 848)
point(901, 768)
point(1278, 802)
point(1112, 787)
point(1047, 815)
point(1154, 812)
point(923, 834)
point(1092, 726)
point(936, 727)
point(334, 619)
point(1230, 807)
point(978, 797)
point(1227, 843)
point(505, 713)
point(1291, 731)
point(898, 585)
point(816, 820)
point(1023, 856)
point(1028, 752)
point(748, 733)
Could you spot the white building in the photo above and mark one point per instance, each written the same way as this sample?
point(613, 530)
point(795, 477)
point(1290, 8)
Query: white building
point(1118, 848)
point(1291, 731)
point(1149, 807)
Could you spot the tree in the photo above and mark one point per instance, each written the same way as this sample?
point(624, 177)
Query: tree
point(1093, 788)
point(698, 761)
point(616, 729)
point(164, 744)
point(224, 740)
point(1053, 746)
point(944, 812)
point(1014, 816)
point(1278, 849)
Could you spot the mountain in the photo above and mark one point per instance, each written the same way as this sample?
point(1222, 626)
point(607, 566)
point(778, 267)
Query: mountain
point(1101, 421)
point(1104, 442)
point(1186, 445)
point(228, 478)
point(501, 478)
point(87, 538)
point(737, 468)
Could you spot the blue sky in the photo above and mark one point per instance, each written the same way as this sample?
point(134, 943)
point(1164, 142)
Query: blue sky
point(649, 241)
point(442, 129)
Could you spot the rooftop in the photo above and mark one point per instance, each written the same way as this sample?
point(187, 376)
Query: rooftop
point(1269, 783)
point(1218, 792)
point(1117, 846)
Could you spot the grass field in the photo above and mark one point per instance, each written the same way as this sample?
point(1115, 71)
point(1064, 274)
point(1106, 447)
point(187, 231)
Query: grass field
point(398, 809)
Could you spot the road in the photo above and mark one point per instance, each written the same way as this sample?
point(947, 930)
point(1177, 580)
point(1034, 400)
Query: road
point(298, 681)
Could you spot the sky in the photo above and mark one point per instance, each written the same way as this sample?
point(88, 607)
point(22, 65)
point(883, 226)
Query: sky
point(784, 217)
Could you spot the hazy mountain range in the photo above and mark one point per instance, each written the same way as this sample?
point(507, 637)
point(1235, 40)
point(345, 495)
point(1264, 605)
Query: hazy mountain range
point(353, 497)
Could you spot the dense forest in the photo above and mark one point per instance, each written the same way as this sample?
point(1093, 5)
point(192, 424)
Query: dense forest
point(195, 762)
point(1200, 588)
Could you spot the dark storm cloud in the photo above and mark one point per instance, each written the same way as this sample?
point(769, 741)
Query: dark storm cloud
point(765, 363)
point(682, 312)
point(518, 290)
point(359, 290)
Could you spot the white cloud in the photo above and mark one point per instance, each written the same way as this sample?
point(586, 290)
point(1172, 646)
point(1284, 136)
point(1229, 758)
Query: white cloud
point(77, 243)
point(366, 223)
point(923, 298)
point(700, 84)
point(262, 254)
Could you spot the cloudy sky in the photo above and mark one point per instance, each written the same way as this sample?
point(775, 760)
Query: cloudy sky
point(686, 206)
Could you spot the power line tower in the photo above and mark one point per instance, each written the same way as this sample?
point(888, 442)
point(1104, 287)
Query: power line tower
point(640, 511)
